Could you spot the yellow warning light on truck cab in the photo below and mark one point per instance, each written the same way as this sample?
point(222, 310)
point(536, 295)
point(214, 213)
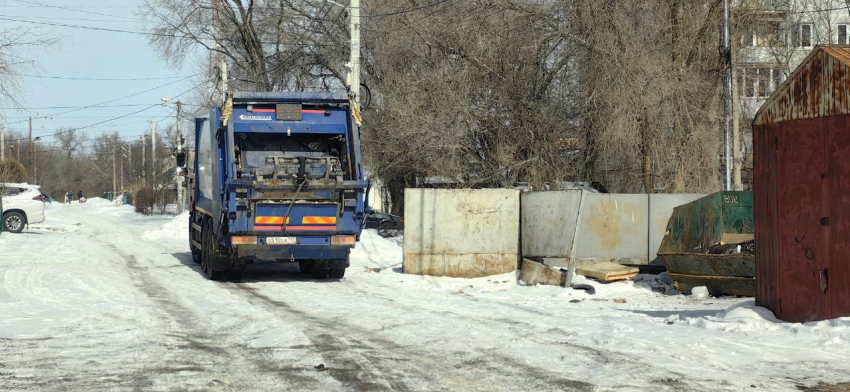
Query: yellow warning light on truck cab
point(343, 240)
point(244, 240)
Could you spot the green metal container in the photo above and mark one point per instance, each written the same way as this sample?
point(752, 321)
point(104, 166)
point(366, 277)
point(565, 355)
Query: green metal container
point(719, 218)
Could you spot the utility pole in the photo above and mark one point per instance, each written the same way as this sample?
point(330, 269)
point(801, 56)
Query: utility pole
point(354, 24)
point(2, 144)
point(29, 154)
point(114, 182)
point(124, 155)
point(180, 192)
point(144, 168)
point(727, 92)
point(736, 161)
point(223, 82)
point(153, 152)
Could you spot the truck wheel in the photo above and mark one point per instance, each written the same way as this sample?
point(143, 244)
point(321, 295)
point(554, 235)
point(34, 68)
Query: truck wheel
point(318, 272)
point(305, 266)
point(204, 255)
point(337, 273)
point(14, 222)
point(209, 271)
point(196, 255)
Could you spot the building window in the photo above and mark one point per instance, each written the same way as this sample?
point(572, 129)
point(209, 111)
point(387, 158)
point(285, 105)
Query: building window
point(777, 79)
point(748, 38)
point(803, 35)
point(842, 34)
point(758, 82)
point(750, 82)
point(764, 82)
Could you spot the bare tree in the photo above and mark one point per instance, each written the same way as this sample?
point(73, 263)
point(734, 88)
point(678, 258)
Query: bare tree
point(650, 88)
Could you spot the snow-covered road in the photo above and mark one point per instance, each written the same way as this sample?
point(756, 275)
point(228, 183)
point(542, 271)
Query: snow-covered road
point(101, 298)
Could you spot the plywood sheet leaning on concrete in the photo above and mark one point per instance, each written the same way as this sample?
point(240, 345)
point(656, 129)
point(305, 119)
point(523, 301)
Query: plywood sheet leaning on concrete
point(607, 272)
point(462, 233)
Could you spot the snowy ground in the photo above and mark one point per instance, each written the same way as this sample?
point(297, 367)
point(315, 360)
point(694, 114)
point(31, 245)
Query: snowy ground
point(100, 298)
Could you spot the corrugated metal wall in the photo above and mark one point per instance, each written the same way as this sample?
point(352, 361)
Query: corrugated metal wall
point(817, 88)
point(802, 199)
point(802, 191)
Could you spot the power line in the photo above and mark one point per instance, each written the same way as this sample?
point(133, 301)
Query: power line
point(99, 79)
point(74, 107)
point(66, 18)
point(138, 32)
point(74, 10)
point(122, 116)
point(104, 102)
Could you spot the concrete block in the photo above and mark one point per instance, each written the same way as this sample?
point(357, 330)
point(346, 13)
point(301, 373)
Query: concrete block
point(549, 223)
point(461, 233)
point(614, 227)
point(534, 273)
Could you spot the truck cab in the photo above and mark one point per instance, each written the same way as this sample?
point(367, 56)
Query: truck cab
point(278, 177)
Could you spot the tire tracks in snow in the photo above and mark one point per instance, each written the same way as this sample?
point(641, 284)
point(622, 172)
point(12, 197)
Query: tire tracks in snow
point(193, 350)
point(364, 361)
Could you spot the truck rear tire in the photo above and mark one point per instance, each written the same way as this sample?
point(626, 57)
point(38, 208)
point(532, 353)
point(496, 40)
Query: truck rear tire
point(317, 272)
point(305, 266)
point(208, 254)
point(337, 273)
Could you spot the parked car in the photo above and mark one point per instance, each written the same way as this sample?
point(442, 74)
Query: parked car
point(374, 219)
point(22, 205)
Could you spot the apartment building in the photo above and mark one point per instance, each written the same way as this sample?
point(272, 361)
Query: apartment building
point(771, 38)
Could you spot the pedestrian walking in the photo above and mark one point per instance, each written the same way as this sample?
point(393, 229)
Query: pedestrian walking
point(69, 196)
point(80, 195)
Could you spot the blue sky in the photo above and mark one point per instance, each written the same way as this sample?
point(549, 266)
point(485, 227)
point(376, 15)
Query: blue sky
point(83, 53)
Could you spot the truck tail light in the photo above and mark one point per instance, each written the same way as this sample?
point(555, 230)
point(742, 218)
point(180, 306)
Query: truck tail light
point(245, 240)
point(343, 240)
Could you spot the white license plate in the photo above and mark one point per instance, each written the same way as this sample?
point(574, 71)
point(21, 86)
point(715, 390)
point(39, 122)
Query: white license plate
point(281, 240)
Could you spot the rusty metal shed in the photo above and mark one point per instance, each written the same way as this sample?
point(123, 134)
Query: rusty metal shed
point(802, 190)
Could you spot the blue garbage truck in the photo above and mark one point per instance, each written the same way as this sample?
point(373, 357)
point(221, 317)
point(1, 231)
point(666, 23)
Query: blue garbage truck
point(277, 177)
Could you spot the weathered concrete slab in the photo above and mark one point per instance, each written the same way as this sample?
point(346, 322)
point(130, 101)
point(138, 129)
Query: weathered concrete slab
point(549, 223)
point(613, 227)
point(462, 233)
point(534, 273)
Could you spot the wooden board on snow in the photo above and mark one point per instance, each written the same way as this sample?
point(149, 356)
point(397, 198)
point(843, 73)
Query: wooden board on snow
point(607, 272)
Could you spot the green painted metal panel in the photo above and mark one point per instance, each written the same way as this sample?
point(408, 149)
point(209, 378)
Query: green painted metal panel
point(720, 216)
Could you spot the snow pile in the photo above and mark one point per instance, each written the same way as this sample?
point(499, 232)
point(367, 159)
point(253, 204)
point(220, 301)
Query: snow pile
point(748, 313)
point(175, 228)
point(699, 293)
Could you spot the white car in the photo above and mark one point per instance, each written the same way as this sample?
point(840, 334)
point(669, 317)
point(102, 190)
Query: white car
point(22, 205)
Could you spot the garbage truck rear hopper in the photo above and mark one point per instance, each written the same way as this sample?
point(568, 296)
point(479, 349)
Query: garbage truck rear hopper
point(277, 177)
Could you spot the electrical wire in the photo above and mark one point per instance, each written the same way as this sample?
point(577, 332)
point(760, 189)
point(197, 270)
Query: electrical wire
point(100, 79)
point(73, 26)
point(73, 107)
point(122, 116)
point(74, 10)
point(104, 102)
